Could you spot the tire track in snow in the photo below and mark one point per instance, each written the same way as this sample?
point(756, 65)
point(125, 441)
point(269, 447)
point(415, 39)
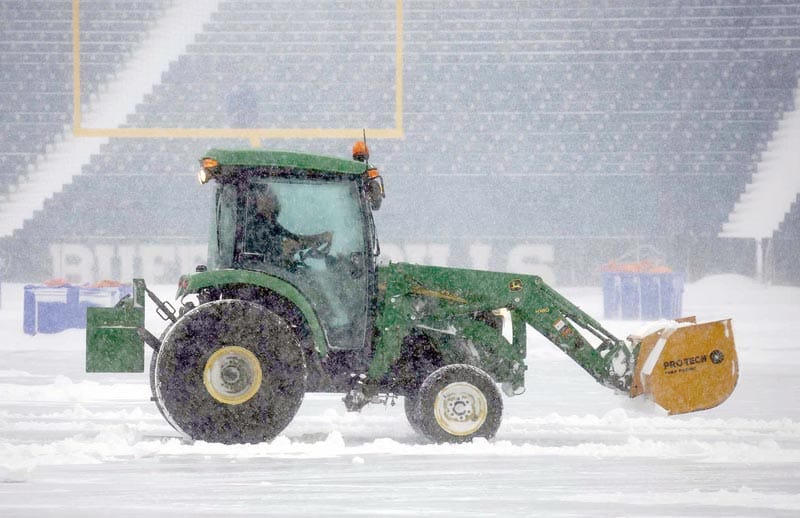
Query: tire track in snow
point(84, 433)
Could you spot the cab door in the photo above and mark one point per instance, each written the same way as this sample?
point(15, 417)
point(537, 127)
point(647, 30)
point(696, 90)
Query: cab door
point(335, 277)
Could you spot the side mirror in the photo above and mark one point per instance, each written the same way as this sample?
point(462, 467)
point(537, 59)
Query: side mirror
point(375, 192)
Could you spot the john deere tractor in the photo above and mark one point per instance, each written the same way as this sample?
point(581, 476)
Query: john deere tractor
point(292, 301)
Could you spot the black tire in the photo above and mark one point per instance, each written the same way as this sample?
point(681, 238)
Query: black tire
point(153, 361)
point(230, 371)
point(419, 359)
point(457, 403)
point(411, 407)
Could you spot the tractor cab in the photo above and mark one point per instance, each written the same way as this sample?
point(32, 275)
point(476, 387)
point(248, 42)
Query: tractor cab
point(302, 219)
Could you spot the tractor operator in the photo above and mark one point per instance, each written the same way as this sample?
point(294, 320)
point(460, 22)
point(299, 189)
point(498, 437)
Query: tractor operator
point(265, 235)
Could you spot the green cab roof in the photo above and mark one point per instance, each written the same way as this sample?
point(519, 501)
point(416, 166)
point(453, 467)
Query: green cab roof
point(263, 158)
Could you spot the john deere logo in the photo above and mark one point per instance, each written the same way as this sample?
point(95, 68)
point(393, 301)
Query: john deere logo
point(515, 285)
point(716, 356)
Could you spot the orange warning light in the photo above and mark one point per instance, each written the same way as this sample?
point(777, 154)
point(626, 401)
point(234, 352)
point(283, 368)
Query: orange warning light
point(360, 151)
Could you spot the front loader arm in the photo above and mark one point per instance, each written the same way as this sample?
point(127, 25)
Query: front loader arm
point(683, 366)
point(446, 299)
point(560, 321)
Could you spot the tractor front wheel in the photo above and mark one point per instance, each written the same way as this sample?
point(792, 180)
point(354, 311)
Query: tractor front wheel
point(457, 403)
point(230, 371)
point(411, 407)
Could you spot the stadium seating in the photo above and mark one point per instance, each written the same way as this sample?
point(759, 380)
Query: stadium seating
point(572, 118)
point(36, 61)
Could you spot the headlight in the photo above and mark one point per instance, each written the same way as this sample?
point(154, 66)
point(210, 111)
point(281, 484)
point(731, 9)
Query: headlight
point(204, 175)
point(210, 167)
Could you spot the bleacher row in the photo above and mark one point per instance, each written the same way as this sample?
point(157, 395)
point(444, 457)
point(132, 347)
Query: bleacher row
point(572, 109)
point(36, 61)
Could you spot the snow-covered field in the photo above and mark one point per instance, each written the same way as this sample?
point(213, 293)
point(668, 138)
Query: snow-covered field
point(75, 444)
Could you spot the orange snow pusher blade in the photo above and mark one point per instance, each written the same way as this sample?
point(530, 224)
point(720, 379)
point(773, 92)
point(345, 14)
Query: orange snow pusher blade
point(686, 367)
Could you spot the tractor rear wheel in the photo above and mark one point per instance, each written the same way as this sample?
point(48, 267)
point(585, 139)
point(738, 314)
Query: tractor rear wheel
point(457, 403)
point(230, 371)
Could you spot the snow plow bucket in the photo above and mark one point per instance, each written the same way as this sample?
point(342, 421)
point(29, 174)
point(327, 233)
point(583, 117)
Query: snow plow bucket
point(687, 367)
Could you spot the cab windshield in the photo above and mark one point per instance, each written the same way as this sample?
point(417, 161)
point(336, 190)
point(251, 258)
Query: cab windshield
point(292, 223)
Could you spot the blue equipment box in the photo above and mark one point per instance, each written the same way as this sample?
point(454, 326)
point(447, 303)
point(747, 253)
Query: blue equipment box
point(642, 296)
point(51, 309)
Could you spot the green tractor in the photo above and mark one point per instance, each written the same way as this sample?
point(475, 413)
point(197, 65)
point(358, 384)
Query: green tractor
point(292, 300)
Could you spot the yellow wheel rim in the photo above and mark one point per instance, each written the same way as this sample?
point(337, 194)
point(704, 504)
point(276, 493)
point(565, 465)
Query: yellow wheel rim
point(232, 375)
point(460, 408)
